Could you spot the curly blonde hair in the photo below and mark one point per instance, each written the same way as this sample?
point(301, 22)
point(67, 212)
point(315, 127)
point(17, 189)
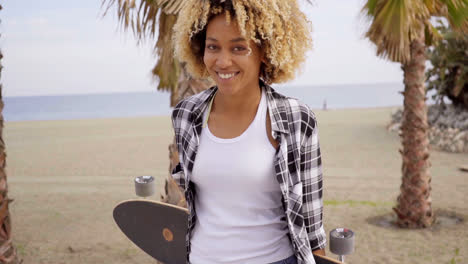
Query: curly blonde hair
point(278, 27)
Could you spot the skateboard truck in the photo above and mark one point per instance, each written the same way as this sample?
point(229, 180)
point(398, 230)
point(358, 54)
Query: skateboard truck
point(341, 242)
point(144, 186)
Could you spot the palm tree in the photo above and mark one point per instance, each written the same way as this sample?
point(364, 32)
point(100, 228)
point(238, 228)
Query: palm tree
point(7, 251)
point(400, 29)
point(148, 19)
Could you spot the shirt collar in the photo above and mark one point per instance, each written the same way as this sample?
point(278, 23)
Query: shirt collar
point(204, 100)
point(276, 107)
point(277, 110)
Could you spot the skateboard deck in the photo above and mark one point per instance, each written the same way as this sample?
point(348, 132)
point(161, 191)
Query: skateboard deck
point(159, 229)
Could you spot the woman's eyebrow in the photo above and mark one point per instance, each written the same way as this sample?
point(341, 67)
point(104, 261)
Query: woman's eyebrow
point(240, 39)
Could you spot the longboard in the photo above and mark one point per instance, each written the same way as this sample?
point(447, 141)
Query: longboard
point(159, 229)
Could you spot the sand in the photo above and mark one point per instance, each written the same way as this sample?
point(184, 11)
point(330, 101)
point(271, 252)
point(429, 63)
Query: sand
point(66, 176)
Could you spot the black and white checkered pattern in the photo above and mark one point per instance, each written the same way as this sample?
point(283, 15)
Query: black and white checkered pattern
point(298, 164)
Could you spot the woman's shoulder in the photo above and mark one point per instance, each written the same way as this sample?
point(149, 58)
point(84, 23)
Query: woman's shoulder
point(296, 111)
point(302, 112)
point(195, 100)
point(189, 104)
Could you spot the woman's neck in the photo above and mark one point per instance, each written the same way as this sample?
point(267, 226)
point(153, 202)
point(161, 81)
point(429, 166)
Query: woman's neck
point(237, 104)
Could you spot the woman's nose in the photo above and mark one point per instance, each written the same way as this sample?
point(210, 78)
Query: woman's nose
point(224, 60)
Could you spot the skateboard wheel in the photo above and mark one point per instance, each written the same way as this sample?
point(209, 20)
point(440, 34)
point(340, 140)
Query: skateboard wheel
point(144, 186)
point(341, 241)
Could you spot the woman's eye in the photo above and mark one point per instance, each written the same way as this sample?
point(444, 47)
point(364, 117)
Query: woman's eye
point(239, 49)
point(211, 47)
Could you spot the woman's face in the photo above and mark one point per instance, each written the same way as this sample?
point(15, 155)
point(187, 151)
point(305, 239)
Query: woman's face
point(227, 57)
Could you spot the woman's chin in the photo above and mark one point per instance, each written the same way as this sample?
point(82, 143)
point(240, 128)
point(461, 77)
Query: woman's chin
point(227, 89)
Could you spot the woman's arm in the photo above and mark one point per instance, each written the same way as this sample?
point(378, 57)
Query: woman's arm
point(311, 176)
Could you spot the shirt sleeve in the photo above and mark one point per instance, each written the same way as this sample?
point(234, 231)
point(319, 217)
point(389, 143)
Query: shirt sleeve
point(178, 171)
point(312, 207)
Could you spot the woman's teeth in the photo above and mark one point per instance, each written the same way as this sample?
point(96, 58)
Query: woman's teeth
point(226, 76)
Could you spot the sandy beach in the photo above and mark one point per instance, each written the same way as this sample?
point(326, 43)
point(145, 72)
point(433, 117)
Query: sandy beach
point(66, 176)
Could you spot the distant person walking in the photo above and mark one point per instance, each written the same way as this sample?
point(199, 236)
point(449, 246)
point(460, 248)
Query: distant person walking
point(250, 161)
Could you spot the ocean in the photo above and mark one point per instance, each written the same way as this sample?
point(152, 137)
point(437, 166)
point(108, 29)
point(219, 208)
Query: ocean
point(137, 104)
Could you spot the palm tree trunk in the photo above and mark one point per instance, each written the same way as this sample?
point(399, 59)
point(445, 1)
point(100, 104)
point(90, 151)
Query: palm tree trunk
point(7, 251)
point(414, 208)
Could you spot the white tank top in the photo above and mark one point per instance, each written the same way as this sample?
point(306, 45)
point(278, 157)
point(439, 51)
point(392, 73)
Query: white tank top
point(240, 217)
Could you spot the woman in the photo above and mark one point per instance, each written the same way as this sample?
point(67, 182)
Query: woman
point(250, 161)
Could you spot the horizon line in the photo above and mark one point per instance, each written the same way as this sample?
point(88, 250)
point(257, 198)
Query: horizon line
point(164, 92)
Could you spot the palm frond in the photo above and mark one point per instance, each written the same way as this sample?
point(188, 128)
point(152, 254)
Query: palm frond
point(431, 34)
point(392, 26)
point(142, 19)
point(167, 68)
point(456, 12)
point(435, 7)
point(171, 7)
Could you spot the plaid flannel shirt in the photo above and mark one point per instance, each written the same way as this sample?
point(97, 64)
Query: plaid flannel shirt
point(297, 164)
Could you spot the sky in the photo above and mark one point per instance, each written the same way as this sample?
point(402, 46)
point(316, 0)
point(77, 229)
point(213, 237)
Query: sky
point(55, 47)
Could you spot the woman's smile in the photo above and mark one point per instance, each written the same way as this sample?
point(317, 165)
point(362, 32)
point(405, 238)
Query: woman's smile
point(227, 76)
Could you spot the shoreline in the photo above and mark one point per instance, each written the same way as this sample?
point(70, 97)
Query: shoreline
point(168, 115)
